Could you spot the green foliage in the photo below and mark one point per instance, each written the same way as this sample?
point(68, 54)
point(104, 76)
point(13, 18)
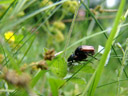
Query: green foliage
point(86, 69)
point(19, 38)
point(107, 50)
point(59, 67)
point(55, 83)
point(38, 36)
point(78, 81)
point(36, 78)
point(5, 1)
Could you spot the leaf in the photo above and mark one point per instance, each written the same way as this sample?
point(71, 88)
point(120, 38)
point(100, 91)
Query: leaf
point(55, 83)
point(78, 80)
point(36, 78)
point(87, 68)
point(59, 67)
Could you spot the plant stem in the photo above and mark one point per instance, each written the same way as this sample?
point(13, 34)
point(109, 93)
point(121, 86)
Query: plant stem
point(97, 75)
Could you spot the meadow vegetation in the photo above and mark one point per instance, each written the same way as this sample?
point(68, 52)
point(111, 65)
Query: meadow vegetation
point(38, 36)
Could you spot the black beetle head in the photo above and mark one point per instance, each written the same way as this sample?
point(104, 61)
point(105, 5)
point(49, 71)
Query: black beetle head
point(71, 58)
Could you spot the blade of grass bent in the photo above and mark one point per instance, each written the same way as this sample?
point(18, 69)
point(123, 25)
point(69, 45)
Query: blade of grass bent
point(33, 14)
point(28, 4)
point(18, 7)
point(100, 26)
point(71, 29)
point(35, 79)
point(85, 38)
point(33, 33)
point(27, 50)
point(40, 73)
point(4, 52)
point(124, 63)
point(112, 83)
point(96, 77)
point(107, 84)
point(6, 11)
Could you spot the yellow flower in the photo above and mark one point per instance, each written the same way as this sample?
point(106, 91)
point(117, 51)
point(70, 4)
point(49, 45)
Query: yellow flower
point(9, 35)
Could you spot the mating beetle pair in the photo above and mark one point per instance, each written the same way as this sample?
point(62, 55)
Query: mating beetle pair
point(81, 53)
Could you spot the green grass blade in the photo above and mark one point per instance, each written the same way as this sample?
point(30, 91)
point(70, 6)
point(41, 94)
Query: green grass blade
point(100, 26)
point(18, 7)
point(34, 32)
point(88, 37)
point(2, 48)
point(112, 83)
point(27, 50)
point(13, 61)
point(71, 28)
point(98, 23)
point(36, 78)
point(109, 43)
point(124, 63)
point(6, 1)
point(14, 23)
point(6, 11)
point(28, 4)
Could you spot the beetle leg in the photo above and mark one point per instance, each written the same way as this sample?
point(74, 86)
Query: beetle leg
point(92, 56)
point(70, 63)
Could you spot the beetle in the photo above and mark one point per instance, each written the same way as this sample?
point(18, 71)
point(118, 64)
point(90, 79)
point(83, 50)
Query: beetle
point(81, 53)
point(74, 58)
